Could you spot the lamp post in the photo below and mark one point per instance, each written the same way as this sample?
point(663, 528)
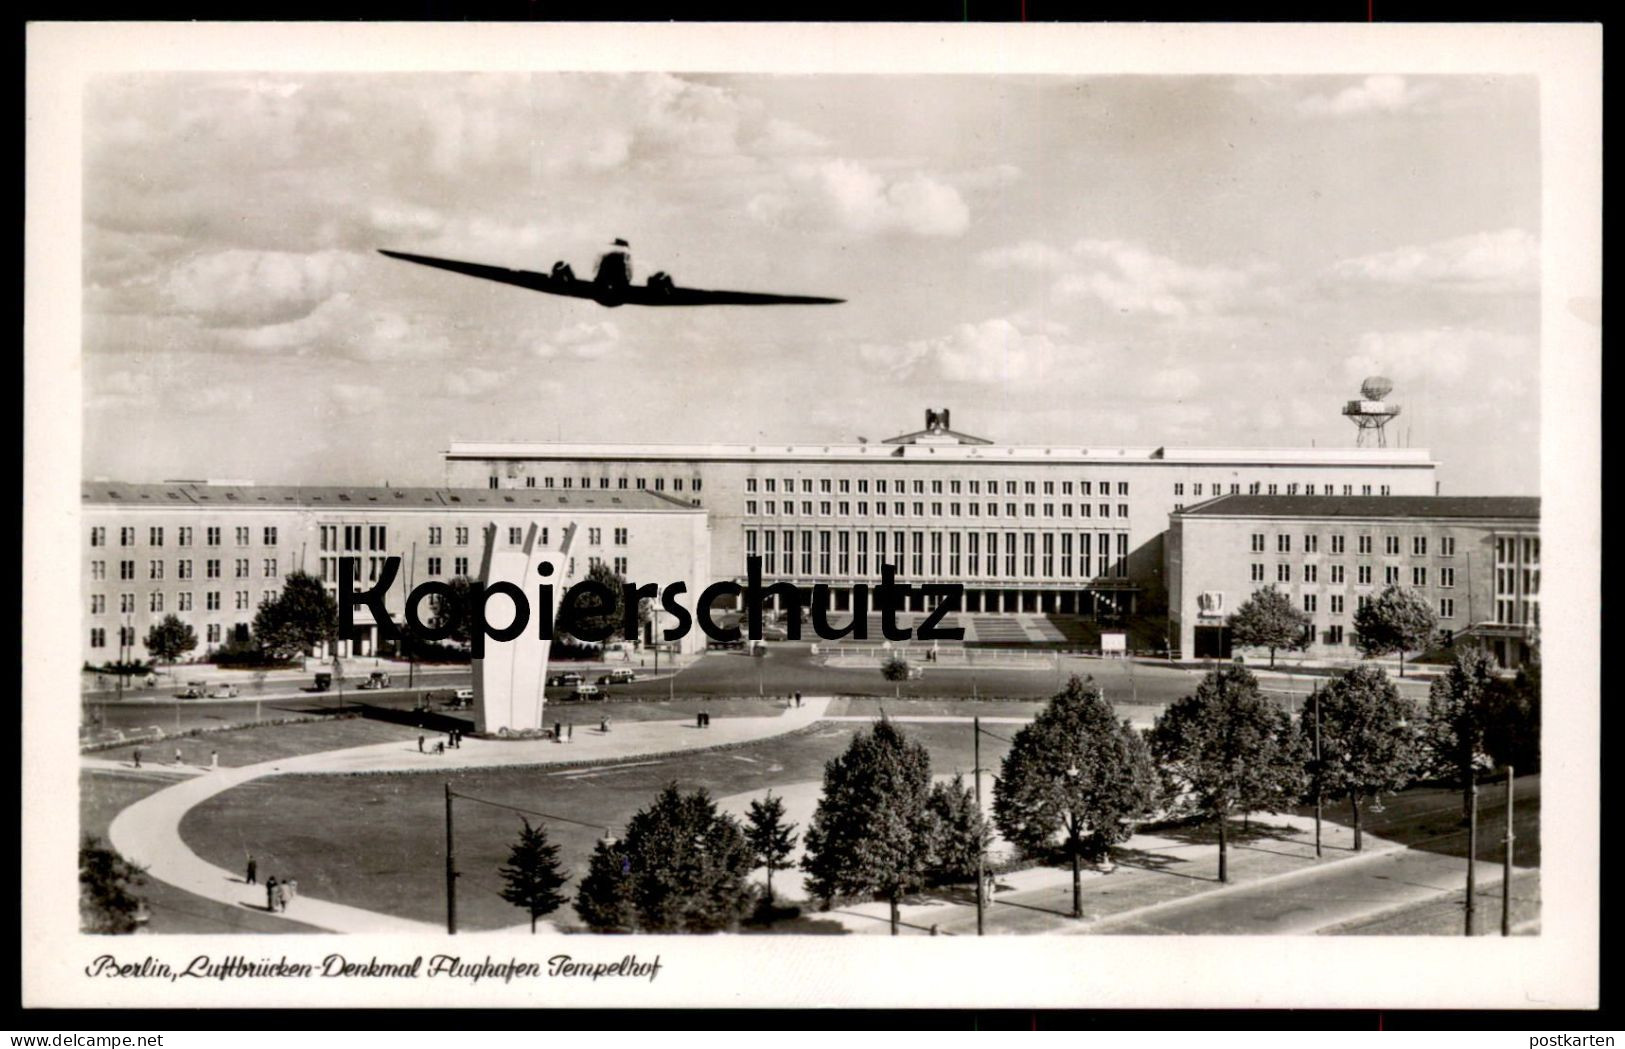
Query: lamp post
point(1472, 844)
point(1506, 865)
point(1319, 785)
point(976, 770)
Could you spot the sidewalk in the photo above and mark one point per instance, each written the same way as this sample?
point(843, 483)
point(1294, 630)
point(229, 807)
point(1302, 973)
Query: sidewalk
point(148, 832)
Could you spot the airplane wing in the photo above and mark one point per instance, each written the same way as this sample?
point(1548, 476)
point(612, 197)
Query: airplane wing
point(644, 295)
point(519, 278)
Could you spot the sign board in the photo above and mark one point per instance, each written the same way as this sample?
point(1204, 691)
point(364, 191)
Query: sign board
point(1114, 644)
point(1210, 604)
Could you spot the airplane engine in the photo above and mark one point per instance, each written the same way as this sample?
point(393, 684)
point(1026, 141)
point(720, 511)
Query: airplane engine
point(661, 282)
point(562, 271)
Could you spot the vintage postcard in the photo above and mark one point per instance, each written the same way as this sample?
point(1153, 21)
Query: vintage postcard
point(646, 515)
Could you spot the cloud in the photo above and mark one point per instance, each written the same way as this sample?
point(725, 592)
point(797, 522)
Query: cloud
point(1028, 255)
point(239, 288)
point(1130, 278)
point(1489, 263)
point(475, 382)
point(857, 199)
point(1434, 354)
point(999, 350)
point(585, 340)
point(1375, 94)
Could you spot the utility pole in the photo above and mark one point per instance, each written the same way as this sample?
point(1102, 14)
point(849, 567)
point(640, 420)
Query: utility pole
point(451, 872)
point(1320, 795)
point(1472, 842)
point(976, 770)
point(406, 634)
point(1506, 865)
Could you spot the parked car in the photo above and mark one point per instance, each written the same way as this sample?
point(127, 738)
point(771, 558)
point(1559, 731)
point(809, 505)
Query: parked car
point(324, 681)
point(569, 677)
point(223, 692)
point(190, 692)
point(586, 692)
point(463, 698)
point(618, 676)
point(378, 679)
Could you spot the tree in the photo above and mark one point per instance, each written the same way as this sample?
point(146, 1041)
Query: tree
point(170, 639)
point(1368, 743)
point(1512, 720)
point(681, 866)
point(106, 904)
point(1227, 749)
point(1270, 620)
point(872, 832)
point(533, 876)
point(962, 833)
point(895, 668)
point(1459, 704)
point(300, 617)
point(452, 611)
point(607, 619)
point(1396, 620)
point(1078, 774)
point(771, 839)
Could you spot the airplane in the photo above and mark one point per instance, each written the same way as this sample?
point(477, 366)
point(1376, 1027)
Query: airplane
point(612, 284)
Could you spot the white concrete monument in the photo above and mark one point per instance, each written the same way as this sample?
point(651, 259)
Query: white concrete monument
point(509, 680)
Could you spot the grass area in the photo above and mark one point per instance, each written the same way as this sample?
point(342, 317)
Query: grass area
point(680, 709)
point(864, 706)
point(1429, 818)
point(379, 841)
point(249, 746)
point(102, 795)
point(1445, 916)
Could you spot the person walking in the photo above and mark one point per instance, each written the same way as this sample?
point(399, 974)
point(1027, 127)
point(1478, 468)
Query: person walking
point(177, 755)
point(420, 744)
point(137, 756)
point(214, 760)
point(253, 871)
point(293, 888)
point(270, 893)
point(282, 896)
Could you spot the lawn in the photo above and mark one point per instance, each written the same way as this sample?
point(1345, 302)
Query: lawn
point(379, 841)
point(249, 746)
point(102, 795)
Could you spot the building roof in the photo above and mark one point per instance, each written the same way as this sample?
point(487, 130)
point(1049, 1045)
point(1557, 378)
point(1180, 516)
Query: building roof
point(1369, 506)
point(289, 497)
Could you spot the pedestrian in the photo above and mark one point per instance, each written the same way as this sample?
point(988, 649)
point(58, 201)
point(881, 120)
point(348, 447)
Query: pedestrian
point(798, 697)
point(177, 755)
point(253, 871)
point(570, 732)
point(558, 733)
point(420, 744)
point(293, 887)
point(137, 756)
point(439, 746)
point(282, 896)
point(270, 893)
point(603, 723)
point(699, 719)
point(214, 760)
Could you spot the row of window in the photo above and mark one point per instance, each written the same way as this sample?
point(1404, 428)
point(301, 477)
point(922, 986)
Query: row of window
point(828, 485)
point(183, 602)
point(212, 634)
point(349, 538)
point(1391, 544)
point(1028, 555)
point(212, 569)
point(183, 535)
point(621, 483)
point(1292, 488)
point(843, 508)
point(1336, 574)
point(368, 568)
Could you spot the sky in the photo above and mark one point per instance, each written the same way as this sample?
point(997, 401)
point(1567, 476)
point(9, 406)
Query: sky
point(1149, 261)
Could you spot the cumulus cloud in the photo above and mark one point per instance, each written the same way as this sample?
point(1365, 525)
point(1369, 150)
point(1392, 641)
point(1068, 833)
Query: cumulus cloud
point(999, 350)
point(860, 200)
point(1491, 263)
point(238, 288)
point(1434, 354)
point(1130, 278)
point(475, 382)
point(1375, 94)
point(346, 327)
point(1028, 255)
point(585, 340)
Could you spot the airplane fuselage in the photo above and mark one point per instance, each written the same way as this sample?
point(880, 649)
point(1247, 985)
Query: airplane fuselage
point(614, 276)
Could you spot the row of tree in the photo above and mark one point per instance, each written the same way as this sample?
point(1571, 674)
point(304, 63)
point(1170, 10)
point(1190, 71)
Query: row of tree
point(1075, 782)
point(1397, 620)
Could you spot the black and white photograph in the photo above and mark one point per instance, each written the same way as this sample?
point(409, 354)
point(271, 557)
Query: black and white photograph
point(582, 518)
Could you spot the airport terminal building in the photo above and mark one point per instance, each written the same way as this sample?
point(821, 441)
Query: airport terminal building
point(211, 553)
point(1474, 559)
point(1061, 530)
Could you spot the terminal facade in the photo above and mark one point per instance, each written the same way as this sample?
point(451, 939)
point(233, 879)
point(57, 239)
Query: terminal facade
point(211, 553)
point(1066, 530)
point(1474, 559)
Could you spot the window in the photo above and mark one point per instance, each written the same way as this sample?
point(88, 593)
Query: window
point(1105, 509)
point(1252, 489)
point(242, 600)
point(1086, 488)
point(750, 484)
point(1419, 546)
point(155, 569)
point(595, 536)
point(434, 536)
point(240, 568)
point(98, 569)
point(126, 603)
point(213, 634)
point(126, 537)
point(1122, 509)
point(459, 566)
point(1283, 544)
point(1364, 575)
point(98, 637)
point(1311, 544)
point(660, 484)
point(1419, 576)
point(1258, 542)
point(1196, 489)
point(155, 537)
point(1334, 635)
point(1258, 572)
point(1390, 575)
point(1385, 490)
point(183, 602)
point(1010, 554)
point(1311, 573)
point(620, 537)
point(516, 536)
point(1179, 488)
point(211, 536)
point(1365, 489)
point(98, 604)
point(1337, 573)
point(1283, 573)
point(1447, 608)
point(1308, 602)
point(242, 536)
point(1292, 489)
point(1365, 544)
point(1337, 604)
point(1122, 487)
point(126, 569)
point(1273, 489)
point(1390, 545)
point(98, 537)
point(824, 506)
point(434, 566)
point(269, 567)
point(268, 535)
point(1447, 577)
point(211, 601)
point(462, 535)
point(1337, 544)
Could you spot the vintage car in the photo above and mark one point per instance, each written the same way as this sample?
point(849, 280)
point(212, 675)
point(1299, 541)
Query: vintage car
point(618, 676)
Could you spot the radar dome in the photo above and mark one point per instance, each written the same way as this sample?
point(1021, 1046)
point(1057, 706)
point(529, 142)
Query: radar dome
point(1376, 388)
